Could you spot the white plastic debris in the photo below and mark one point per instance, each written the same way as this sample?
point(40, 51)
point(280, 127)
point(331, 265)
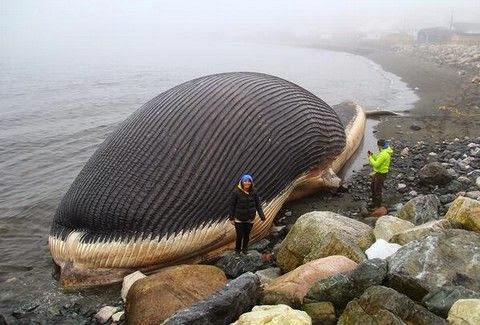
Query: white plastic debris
point(382, 249)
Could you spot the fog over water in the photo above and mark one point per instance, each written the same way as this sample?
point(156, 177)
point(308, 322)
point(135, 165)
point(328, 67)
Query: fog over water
point(70, 71)
point(76, 30)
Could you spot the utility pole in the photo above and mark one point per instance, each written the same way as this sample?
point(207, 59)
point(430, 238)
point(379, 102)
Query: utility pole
point(451, 20)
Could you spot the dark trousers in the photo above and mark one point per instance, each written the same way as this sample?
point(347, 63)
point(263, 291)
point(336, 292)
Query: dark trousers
point(376, 188)
point(243, 233)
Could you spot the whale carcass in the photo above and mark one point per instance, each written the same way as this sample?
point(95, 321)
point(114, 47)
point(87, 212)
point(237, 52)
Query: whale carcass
point(156, 191)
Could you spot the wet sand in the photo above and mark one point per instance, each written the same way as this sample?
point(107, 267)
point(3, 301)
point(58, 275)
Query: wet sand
point(448, 104)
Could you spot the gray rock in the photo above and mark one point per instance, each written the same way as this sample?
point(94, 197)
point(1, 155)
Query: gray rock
point(397, 207)
point(341, 288)
point(447, 198)
point(234, 264)
point(416, 127)
point(267, 275)
point(464, 180)
point(421, 209)
point(434, 174)
point(260, 245)
point(421, 231)
point(452, 172)
point(382, 305)
point(223, 307)
point(473, 195)
point(446, 258)
point(441, 300)
point(402, 188)
point(477, 181)
point(455, 186)
point(432, 156)
point(321, 313)
point(463, 166)
point(412, 193)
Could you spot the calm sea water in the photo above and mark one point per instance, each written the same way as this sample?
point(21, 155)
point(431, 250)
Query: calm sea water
point(53, 115)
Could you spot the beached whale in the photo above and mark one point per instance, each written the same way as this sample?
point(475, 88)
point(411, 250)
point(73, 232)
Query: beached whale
point(156, 191)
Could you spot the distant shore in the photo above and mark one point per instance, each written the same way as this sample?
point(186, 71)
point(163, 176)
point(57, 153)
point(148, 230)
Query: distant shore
point(448, 105)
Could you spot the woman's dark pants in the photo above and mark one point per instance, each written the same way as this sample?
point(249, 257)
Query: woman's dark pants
point(243, 233)
point(376, 187)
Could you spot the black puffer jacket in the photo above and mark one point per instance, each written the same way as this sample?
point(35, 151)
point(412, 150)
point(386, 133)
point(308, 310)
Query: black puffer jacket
point(243, 206)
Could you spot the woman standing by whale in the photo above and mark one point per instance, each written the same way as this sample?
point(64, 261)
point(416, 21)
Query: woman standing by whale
point(244, 205)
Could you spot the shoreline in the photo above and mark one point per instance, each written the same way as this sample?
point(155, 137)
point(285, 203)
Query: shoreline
point(446, 108)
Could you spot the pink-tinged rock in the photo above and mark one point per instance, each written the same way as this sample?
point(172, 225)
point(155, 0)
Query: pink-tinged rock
point(291, 288)
point(379, 212)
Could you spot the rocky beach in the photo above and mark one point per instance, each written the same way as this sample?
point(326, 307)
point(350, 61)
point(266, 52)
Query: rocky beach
point(330, 261)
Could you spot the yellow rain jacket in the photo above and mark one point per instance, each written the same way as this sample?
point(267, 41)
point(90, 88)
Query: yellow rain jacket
point(380, 162)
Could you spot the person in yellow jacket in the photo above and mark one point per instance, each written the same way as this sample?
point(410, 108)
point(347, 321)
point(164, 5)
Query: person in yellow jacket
point(380, 163)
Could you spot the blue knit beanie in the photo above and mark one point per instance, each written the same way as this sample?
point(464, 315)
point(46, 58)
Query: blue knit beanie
point(245, 177)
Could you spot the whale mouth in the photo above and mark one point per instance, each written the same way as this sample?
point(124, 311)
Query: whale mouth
point(93, 262)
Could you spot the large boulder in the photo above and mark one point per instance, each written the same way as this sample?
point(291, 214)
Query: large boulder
point(224, 306)
point(382, 305)
point(420, 232)
point(466, 212)
point(153, 299)
point(447, 258)
point(276, 314)
point(421, 209)
point(336, 244)
point(321, 313)
point(290, 288)
point(310, 230)
point(465, 312)
point(342, 288)
point(234, 264)
point(441, 300)
point(434, 174)
point(387, 226)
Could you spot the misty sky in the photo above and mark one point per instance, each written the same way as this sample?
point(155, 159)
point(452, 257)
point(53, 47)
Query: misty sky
point(41, 28)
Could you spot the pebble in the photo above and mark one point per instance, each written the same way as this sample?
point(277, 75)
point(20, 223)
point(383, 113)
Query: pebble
point(288, 213)
point(105, 314)
point(464, 179)
point(452, 172)
point(118, 316)
point(401, 187)
point(405, 152)
point(413, 193)
point(473, 195)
